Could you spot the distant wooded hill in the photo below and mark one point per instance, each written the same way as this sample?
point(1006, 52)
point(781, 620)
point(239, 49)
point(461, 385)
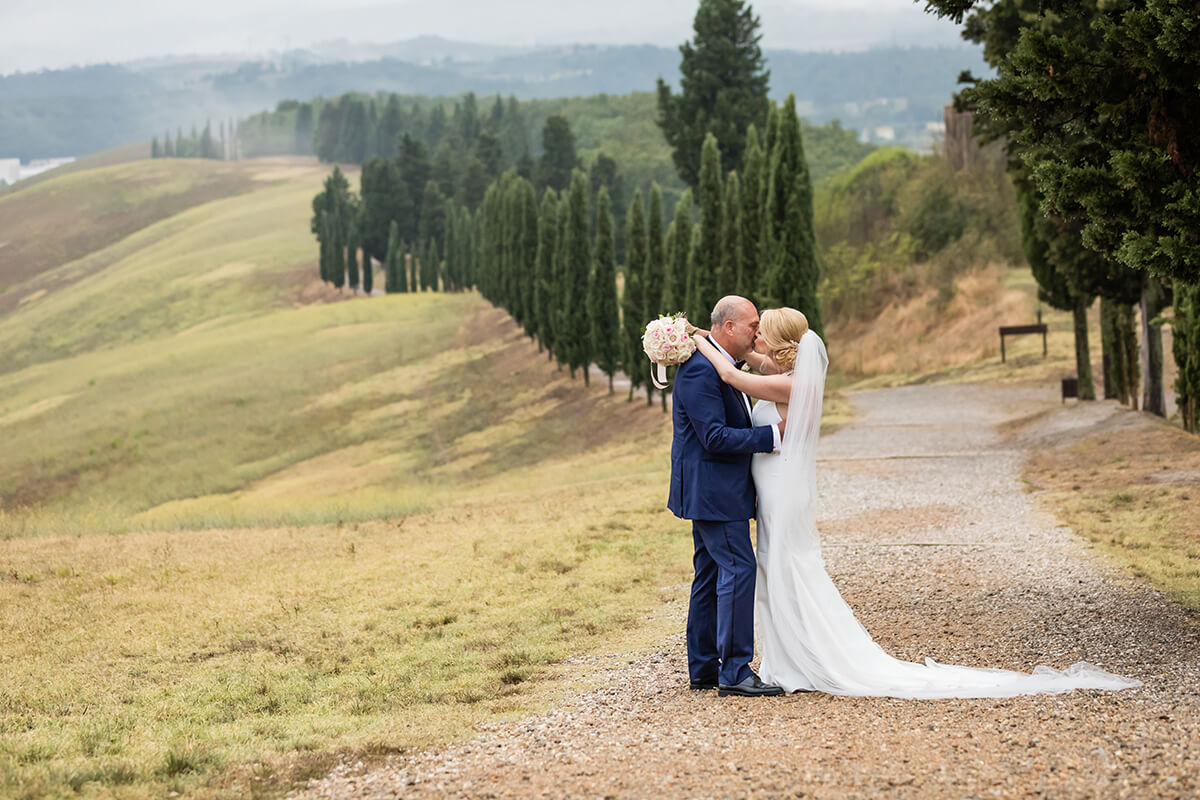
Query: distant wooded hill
point(86, 109)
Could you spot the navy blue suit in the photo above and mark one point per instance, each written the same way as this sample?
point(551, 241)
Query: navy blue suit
point(711, 485)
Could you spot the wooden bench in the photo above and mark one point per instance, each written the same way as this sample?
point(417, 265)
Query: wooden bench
point(1019, 330)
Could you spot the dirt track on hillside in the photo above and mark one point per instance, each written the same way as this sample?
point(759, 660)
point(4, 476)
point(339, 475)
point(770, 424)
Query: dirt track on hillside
point(933, 541)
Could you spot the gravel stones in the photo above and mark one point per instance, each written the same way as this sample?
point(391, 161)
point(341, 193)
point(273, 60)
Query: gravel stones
point(928, 533)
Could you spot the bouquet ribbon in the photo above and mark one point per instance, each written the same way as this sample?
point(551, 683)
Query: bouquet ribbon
point(658, 376)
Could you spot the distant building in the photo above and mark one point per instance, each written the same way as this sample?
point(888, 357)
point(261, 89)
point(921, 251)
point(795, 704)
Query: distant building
point(11, 169)
point(884, 133)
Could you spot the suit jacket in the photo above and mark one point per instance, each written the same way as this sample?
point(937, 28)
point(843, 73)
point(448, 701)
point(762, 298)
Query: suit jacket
point(711, 446)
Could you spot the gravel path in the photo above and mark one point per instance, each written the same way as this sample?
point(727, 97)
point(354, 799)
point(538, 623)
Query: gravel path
point(932, 540)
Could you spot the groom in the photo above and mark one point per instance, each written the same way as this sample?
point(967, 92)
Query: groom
point(711, 486)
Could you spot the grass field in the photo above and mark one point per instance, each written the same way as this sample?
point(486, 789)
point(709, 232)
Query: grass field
point(243, 534)
point(247, 529)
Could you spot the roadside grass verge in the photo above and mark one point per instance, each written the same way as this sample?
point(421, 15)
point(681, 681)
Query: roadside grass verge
point(1130, 485)
point(228, 663)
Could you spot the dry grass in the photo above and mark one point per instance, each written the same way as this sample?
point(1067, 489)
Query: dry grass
point(211, 662)
point(71, 215)
point(1131, 485)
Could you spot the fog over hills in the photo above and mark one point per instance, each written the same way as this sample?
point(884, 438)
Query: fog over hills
point(76, 32)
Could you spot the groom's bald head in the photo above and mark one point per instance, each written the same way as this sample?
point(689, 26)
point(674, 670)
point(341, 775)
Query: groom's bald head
point(734, 324)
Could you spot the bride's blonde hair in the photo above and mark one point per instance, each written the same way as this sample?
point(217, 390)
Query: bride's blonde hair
point(781, 329)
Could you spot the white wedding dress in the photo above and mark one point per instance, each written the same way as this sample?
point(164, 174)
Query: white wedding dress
point(808, 637)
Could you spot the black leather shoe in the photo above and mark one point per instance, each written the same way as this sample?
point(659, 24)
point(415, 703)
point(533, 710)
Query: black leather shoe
point(699, 686)
point(751, 687)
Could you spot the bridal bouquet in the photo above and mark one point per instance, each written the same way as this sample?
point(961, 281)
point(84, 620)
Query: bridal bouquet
point(668, 342)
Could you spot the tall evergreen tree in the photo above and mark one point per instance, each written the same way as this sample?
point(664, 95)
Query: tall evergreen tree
point(1039, 235)
point(324, 241)
point(723, 83)
point(368, 277)
point(705, 273)
point(676, 283)
point(526, 253)
point(656, 258)
point(604, 322)
point(543, 284)
point(352, 257)
point(748, 279)
point(559, 158)
point(393, 267)
point(564, 288)
point(430, 266)
point(1186, 346)
point(730, 273)
point(575, 275)
point(668, 301)
point(337, 251)
point(433, 215)
point(788, 252)
point(155, 152)
point(633, 299)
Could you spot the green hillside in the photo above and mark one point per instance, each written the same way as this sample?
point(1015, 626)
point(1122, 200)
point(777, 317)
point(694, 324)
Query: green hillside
point(245, 527)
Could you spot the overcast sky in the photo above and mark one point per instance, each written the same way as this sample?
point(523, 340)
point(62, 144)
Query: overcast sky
point(57, 33)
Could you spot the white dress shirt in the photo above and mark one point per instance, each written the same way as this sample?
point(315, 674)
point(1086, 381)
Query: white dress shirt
point(746, 400)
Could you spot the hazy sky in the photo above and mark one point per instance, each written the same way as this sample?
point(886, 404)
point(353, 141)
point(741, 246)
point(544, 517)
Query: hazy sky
point(57, 33)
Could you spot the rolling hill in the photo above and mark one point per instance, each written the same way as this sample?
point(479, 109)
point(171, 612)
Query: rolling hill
point(248, 524)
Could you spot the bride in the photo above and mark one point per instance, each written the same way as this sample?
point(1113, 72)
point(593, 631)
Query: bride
point(810, 639)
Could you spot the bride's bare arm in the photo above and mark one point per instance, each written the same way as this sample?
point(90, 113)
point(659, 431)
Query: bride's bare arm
point(776, 388)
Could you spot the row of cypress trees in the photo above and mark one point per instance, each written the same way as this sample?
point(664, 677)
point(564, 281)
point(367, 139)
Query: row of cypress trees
point(552, 262)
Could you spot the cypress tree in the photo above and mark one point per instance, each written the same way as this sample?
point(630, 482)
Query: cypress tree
point(352, 257)
point(575, 278)
point(703, 276)
point(368, 279)
point(154, 150)
point(789, 242)
point(1044, 241)
point(1186, 345)
point(604, 324)
point(667, 302)
point(730, 275)
point(723, 82)
point(701, 317)
point(337, 251)
point(751, 215)
point(526, 256)
point(430, 266)
point(324, 239)
point(543, 284)
point(562, 286)
point(393, 279)
point(633, 300)
point(559, 158)
point(677, 279)
point(656, 258)
point(450, 251)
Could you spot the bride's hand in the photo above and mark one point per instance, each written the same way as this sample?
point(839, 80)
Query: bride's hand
point(707, 350)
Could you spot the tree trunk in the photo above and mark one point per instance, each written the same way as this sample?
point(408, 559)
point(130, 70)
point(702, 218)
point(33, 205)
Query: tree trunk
point(1083, 355)
point(1153, 398)
point(1127, 346)
point(610, 384)
point(1109, 359)
point(649, 394)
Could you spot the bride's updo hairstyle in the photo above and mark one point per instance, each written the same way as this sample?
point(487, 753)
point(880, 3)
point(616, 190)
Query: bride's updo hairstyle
point(781, 329)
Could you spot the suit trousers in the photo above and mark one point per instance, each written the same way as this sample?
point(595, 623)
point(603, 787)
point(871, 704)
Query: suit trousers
point(720, 626)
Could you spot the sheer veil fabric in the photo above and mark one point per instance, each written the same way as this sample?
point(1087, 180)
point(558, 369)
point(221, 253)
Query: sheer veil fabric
point(808, 636)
